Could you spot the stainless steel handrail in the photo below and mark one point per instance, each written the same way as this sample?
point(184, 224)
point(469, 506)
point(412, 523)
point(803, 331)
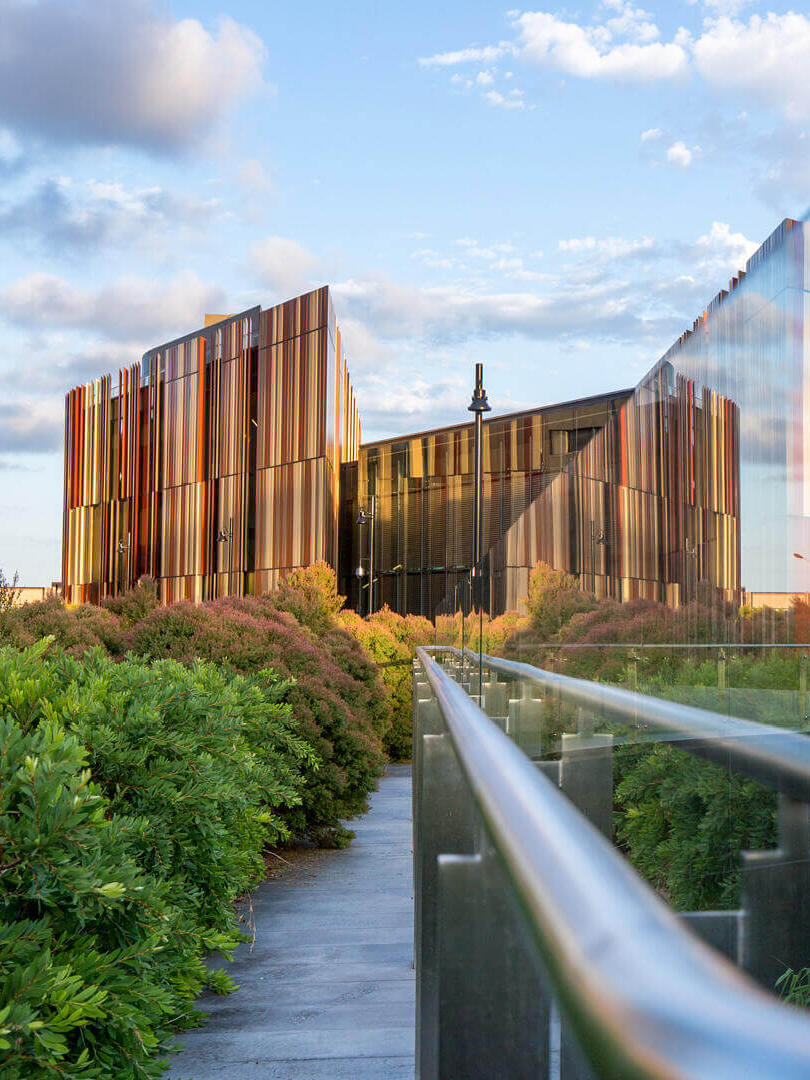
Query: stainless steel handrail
point(644, 998)
point(774, 756)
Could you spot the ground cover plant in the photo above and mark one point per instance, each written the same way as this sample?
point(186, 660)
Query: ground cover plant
point(135, 802)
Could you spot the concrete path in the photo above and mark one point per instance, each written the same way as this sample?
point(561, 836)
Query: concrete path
point(327, 989)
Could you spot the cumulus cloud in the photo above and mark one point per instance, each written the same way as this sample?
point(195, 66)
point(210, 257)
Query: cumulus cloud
point(283, 265)
point(679, 154)
point(130, 309)
point(60, 214)
point(598, 51)
point(452, 313)
point(32, 427)
point(53, 368)
point(764, 60)
point(121, 73)
point(721, 250)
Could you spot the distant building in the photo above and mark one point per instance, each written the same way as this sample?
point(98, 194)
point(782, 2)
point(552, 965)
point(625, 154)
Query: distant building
point(230, 456)
point(31, 594)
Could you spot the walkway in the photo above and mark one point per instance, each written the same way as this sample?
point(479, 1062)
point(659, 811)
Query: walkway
point(328, 989)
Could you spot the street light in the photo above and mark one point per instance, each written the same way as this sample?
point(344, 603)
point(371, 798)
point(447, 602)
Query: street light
point(367, 518)
point(478, 406)
point(223, 537)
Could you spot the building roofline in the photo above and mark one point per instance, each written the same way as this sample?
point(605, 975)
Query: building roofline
point(203, 331)
point(625, 393)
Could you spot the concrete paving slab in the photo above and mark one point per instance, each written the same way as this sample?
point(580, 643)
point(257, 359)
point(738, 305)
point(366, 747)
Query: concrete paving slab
point(326, 987)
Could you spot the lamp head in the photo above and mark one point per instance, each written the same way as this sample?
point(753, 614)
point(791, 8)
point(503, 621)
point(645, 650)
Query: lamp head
point(479, 401)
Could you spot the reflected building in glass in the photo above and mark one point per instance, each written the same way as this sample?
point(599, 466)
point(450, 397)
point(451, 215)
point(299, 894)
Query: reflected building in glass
point(700, 484)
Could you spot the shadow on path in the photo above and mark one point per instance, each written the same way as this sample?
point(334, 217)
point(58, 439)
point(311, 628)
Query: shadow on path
point(326, 988)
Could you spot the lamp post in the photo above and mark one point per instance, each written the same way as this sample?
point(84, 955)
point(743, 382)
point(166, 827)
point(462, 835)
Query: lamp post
point(360, 573)
point(478, 406)
point(367, 518)
point(122, 548)
point(691, 552)
point(597, 537)
point(223, 537)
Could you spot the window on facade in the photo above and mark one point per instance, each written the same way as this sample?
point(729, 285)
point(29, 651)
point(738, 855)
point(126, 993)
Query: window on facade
point(559, 442)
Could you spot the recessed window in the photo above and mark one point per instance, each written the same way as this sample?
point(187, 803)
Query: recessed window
point(559, 442)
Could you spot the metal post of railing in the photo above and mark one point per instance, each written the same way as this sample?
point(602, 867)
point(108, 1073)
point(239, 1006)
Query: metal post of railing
point(493, 1011)
point(442, 798)
point(525, 712)
point(775, 898)
point(586, 772)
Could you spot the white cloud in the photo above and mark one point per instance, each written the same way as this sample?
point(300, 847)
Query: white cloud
point(721, 250)
point(590, 52)
point(121, 73)
point(765, 60)
point(611, 247)
point(283, 265)
point(679, 154)
point(130, 309)
point(65, 215)
point(650, 134)
point(485, 78)
point(486, 55)
point(513, 100)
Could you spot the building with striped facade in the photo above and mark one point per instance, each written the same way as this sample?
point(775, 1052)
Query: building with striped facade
point(213, 466)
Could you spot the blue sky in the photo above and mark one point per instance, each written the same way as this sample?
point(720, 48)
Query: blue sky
point(557, 192)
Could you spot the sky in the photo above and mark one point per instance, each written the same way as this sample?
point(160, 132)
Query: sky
point(555, 192)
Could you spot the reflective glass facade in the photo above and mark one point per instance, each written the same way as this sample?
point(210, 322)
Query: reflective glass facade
point(700, 483)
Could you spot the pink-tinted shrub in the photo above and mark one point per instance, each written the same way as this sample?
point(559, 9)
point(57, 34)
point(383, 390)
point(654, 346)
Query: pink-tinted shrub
point(334, 691)
point(75, 630)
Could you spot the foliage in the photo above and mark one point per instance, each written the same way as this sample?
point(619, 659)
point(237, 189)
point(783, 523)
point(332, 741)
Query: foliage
point(9, 592)
point(76, 630)
point(134, 604)
point(333, 689)
point(794, 987)
point(684, 821)
point(310, 594)
point(386, 647)
point(115, 879)
point(554, 598)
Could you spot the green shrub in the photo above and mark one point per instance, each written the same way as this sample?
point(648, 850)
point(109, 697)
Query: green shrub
point(134, 604)
point(338, 704)
point(116, 878)
point(379, 639)
point(683, 822)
